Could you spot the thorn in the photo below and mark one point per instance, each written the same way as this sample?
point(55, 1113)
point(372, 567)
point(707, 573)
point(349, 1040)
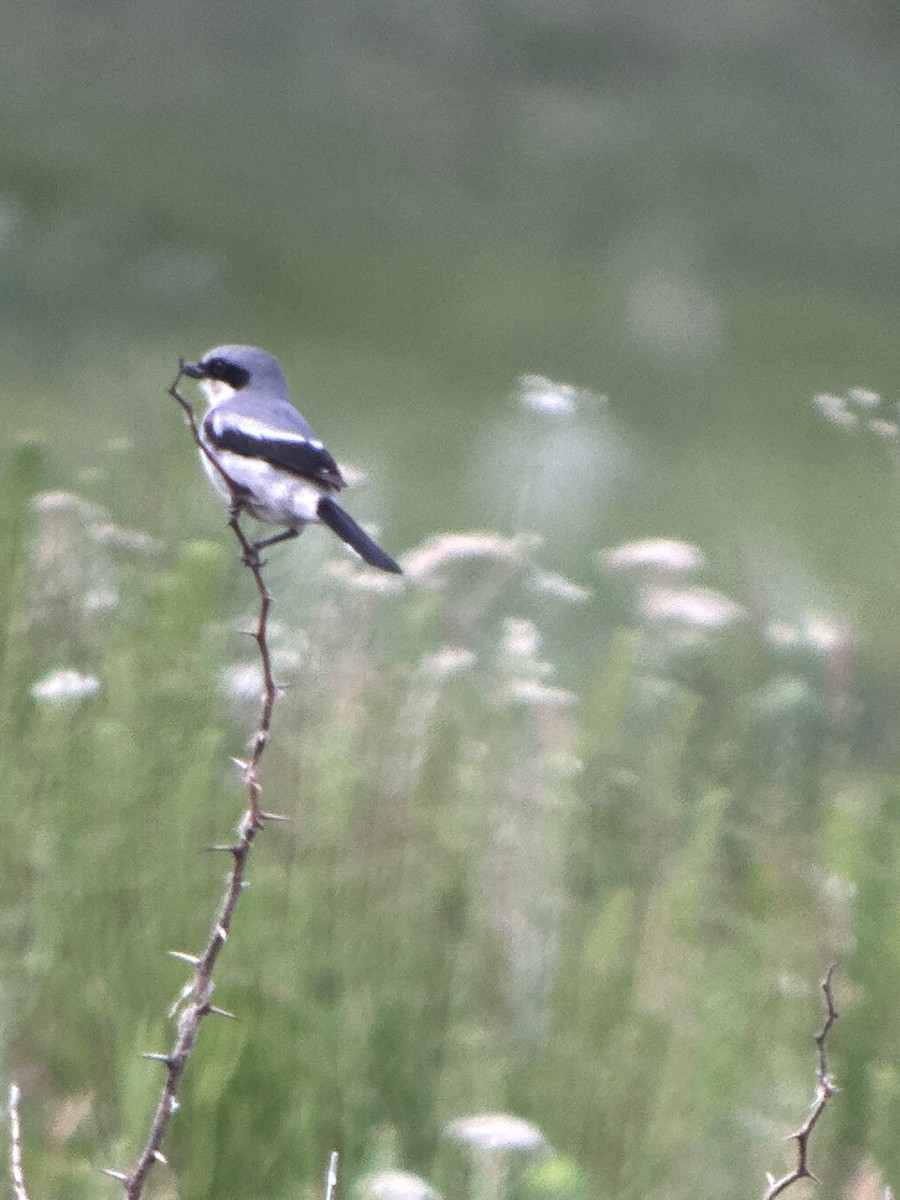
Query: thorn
point(191, 959)
point(173, 1104)
point(119, 1175)
point(223, 847)
point(770, 1178)
point(221, 1012)
point(242, 764)
point(250, 633)
point(270, 816)
point(222, 933)
point(153, 1057)
point(160, 1157)
point(244, 884)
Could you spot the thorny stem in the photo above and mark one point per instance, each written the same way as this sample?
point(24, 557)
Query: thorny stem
point(196, 1004)
point(825, 1089)
point(16, 1169)
point(331, 1175)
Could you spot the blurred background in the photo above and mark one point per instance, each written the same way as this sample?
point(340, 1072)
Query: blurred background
point(601, 303)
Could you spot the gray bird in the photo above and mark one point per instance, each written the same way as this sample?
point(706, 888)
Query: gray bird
point(281, 471)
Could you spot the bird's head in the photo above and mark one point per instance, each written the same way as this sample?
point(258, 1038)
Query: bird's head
point(225, 370)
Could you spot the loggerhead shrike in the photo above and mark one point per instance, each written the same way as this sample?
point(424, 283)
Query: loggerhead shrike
point(281, 471)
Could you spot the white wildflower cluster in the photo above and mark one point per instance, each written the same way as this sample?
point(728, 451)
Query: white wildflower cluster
point(542, 395)
point(523, 671)
point(64, 686)
point(665, 556)
point(349, 574)
point(814, 632)
point(74, 556)
point(653, 563)
point(495, 1145)
point(497, 1132)
point(395, 1185)
point(429, 563)
point(861, 408)
point(552, 584)
point(701, 607)
point(442, 558)
point(447, 662)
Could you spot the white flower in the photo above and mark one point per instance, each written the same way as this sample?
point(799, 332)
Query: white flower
point(67, 502)
point(497, 1131)
point(244, 682)
point(659, 554)
point(433, 556)
point(107, 533)
point(100, 600)
point(888, 430)
point(63, 685)
point(698, 606)
point(813, 631)
point(520, 638)
point(539, 695)
point(350, 572)
point(822, 633)
point(863, 397)
point(834, 409)
point(559, 586)
point(448, 661)
point(544, 396)
point(396, 1185)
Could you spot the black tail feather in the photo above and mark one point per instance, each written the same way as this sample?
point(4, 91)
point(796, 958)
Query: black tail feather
point(335, 517)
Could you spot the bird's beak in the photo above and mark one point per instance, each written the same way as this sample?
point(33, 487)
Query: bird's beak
point(193, 370)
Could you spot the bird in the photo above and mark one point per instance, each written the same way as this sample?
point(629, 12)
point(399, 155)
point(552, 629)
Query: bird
point(277, 468)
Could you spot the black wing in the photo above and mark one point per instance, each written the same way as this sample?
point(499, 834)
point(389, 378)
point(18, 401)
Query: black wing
point(301, 456)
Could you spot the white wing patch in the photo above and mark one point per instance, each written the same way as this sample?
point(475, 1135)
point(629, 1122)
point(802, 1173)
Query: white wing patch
point(253, 427)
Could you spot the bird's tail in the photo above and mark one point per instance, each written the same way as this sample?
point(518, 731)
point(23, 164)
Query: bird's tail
point(331, 514)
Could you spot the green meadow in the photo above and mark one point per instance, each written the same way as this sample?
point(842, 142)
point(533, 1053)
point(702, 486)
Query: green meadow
point(601, 308)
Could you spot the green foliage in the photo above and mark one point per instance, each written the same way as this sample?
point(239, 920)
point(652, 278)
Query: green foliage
point(592, 882)
point(461, 915)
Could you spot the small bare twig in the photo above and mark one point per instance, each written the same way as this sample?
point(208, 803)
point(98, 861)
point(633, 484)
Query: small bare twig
point(16, 1169)
point(195, 1001)
point(331, 1175)
point(825, 1089)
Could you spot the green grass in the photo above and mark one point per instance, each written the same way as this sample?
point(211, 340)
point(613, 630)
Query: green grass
point(604, 912)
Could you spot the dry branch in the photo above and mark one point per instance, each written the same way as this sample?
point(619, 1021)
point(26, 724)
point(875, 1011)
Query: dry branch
point(195, 1002)
point(825, 1089)
point(331, 1175)
point(16, 1170)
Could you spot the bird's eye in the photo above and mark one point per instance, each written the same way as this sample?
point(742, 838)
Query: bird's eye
point(230, 373)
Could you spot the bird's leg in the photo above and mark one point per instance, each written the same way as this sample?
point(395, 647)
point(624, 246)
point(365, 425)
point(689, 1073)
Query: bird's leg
point(253, 560)
point(284, 536)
